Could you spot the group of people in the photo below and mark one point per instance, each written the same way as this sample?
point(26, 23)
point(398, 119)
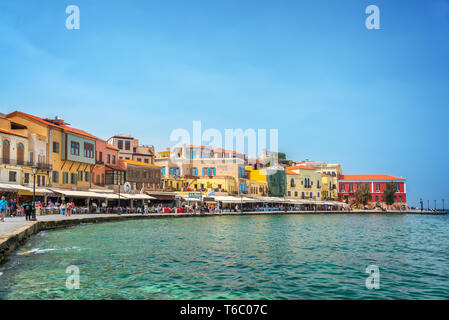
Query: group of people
point(14, 209)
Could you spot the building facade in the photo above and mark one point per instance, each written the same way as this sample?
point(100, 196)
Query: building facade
point(375, 183)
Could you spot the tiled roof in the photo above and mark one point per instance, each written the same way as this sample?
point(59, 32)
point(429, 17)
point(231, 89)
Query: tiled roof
point(227, 151)
point(48, 123)
point(300, 167)
point(369, 177)
point(138, 163)
point(12, 133)
point(111, 147)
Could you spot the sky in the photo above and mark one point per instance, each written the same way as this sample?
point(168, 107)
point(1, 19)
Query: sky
point(375, 101)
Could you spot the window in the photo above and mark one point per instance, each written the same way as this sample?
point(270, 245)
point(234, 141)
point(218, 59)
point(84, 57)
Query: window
point(292, 182)
point(20, 153)
point(289, 193)
point(55, 176)
point(145, 160)
point(43, 181)
point(350, 187)
point(5, 153)
point(72, 178)
point(65, 177)
point(127, 145)
point(377, 198)
point(400, 198)
point(318, 184)
point(367, 187)
point(12, 176)
point(55, 147)
point(113, 159)
point(26, 178)
point(296, 193)
point(398, 188)
point(377, 187)
point(108, 158)
point(342, 188)
point(120, 144)
point(86, 176)
point(75, 148)
point(100, 158)
point(88, 150)
point(38, 180)
point(139, 159)
point(163, 171)
point(194, 171)
point(80, 176)
point(31, 157)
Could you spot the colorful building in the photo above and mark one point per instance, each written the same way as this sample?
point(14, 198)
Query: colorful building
point(375, 183)
point(69, 152)
point(304, 182)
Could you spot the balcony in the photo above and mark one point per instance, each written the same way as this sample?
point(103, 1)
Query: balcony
point(14, 162)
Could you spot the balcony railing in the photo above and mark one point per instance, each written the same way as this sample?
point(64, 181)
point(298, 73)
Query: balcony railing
point(14, 162)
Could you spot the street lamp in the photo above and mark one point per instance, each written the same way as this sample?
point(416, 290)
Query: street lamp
point(119, 195)
point(33, 217)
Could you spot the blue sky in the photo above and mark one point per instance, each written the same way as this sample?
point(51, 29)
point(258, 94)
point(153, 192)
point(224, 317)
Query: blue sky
point(375, 101)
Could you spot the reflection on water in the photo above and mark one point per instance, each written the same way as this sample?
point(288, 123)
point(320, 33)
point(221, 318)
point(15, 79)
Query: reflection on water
point(240, 257)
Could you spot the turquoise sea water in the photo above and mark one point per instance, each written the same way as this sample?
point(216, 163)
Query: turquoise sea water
point(237, 257)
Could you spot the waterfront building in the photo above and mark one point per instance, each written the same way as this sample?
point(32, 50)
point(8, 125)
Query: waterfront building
point(129, 149)
point(70, 152)
point(202, 168)
point(107, 171)
point(304, 182)
point(142, 176)
point(376, 184)
point(22, 151)
point(15, 166)
point(331, 171)
point(115, 169)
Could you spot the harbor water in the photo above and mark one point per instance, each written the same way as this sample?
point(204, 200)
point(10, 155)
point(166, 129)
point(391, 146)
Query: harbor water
point(237, 257)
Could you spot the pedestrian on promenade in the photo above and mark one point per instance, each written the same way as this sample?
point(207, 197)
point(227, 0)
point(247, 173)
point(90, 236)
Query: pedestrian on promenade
point(62, 208)
point(13, 205)
point(28, 210)
point(3, 204)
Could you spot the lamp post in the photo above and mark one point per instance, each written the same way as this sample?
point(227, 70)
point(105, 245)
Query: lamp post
point(119, 209)
point(421, 203)
point(33, 214)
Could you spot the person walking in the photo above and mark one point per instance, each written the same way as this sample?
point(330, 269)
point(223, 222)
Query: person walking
point(3, 205)
point(13, 205)
point(62, 208)
point(28, 210)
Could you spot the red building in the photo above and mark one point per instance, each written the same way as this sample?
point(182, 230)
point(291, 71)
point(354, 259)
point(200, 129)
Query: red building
point(376, 184)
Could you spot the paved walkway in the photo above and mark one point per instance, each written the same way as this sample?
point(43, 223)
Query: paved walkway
point(13, 223)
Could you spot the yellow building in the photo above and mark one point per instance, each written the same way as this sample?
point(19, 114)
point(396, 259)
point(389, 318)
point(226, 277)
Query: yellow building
point(14, 154)
point(257, 182)
point(304, 182)
point(330, 182)
point(68, 152)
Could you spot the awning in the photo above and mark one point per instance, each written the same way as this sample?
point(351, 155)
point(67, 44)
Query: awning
point(162, 195)
point(80, 194)
point(13, 187)
point(138, 196)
